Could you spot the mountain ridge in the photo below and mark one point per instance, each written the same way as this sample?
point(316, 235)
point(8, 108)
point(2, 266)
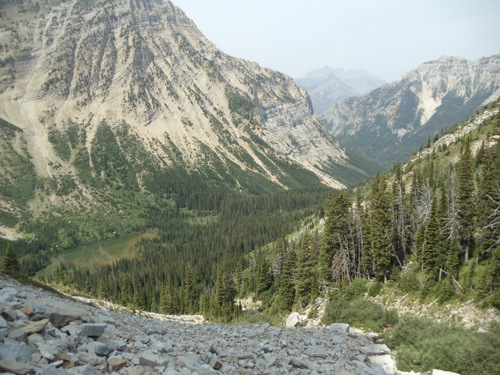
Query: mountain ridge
point(114, 70)
point(404, 113)
point(327, 85)
point(139, 78)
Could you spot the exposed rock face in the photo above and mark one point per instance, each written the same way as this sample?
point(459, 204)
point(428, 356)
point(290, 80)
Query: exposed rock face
point(101, 341)
point(328, 86)
point(146, 65)
point(391, 122)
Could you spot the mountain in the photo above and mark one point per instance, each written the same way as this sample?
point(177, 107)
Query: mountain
point(391, 122)
point(98, 95)
point(328, 86)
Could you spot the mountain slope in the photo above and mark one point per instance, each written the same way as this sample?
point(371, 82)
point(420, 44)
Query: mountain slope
point(105, 93)
point(391, 122)
point(328, 86)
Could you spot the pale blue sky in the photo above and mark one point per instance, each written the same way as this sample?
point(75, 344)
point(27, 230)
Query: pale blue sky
point(386, 37)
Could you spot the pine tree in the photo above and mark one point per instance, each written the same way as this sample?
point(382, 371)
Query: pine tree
point(225, 290)
point(264, 275)
point(10, 263)
point(359, 235)
point(304, 270)
point(334, 255)
point(102, 290)
point(488, 201)
point(466, 200)
point(190, 296)
point(432, 244)
point(287, 281)
point(167, 299)
point(380, 228)
point(448, 254)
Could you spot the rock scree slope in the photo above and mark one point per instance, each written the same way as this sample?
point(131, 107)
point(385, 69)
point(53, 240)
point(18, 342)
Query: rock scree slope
point(43, 333)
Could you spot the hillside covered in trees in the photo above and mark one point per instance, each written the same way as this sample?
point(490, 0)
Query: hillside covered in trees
point(430, 226)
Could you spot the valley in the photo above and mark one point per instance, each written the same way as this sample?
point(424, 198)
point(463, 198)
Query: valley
point(144, 167)
point(102, 253)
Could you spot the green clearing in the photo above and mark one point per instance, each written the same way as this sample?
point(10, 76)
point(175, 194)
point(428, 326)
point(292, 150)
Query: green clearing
point(102, 253)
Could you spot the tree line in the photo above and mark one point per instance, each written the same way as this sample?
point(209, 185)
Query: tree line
point(431, 226)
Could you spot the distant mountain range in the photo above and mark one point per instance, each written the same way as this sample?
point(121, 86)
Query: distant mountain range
point(328, 86)
point(393, 121)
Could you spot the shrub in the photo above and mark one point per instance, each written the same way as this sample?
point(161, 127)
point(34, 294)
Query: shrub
point(495, 300)
point(359, 313)
point(253, 317)
point(422, 345)
point(408, 281)
point(391, 317)
point(375, 289)
point(356, 289)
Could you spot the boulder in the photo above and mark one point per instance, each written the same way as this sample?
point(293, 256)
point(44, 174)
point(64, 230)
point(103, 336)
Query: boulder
point(9, 315)
point(99, 348)
point(441, 372)
point(116, 363)
point(375, 349)
point(27, 311)
point(339, 327)
point(148, 358)
point(215, 363)
point(59, 314)
point(18, 334)
point(85, 370)
point(90, 358)
point(9, 291)
point(36, 327)
point(48, 351)
point(92, 329)
point(293, 319)
point(14, 367)
point(15, 351)
point(387, 362)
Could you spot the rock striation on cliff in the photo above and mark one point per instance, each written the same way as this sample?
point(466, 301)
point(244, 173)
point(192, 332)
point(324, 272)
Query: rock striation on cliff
point(145, 65)
point(393, 121)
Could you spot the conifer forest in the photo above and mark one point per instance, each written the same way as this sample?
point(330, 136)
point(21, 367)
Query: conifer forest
point(431, 226)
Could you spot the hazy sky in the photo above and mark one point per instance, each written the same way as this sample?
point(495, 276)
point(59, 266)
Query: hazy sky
point(386, 37)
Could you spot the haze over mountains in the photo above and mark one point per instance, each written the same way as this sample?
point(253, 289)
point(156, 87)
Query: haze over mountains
point(328, 86)
point(393, 121)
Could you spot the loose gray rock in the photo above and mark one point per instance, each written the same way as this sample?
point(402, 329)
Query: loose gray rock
point(15, 367)
point(16, 351)
point(441, 372)
point(150, 359)
point(95, 341)
point(92, 330)
point(18, 334)
point(116, 363)
point(99, 348)
point(215, 363)
point(295, 363)
point(339, 327)
point(3, 323)
point(36, 327)
point(375, 349)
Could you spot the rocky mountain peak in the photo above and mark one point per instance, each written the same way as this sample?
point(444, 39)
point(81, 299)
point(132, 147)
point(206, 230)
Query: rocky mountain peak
point(328, 86)
point(397, 118)
point(143, 66)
